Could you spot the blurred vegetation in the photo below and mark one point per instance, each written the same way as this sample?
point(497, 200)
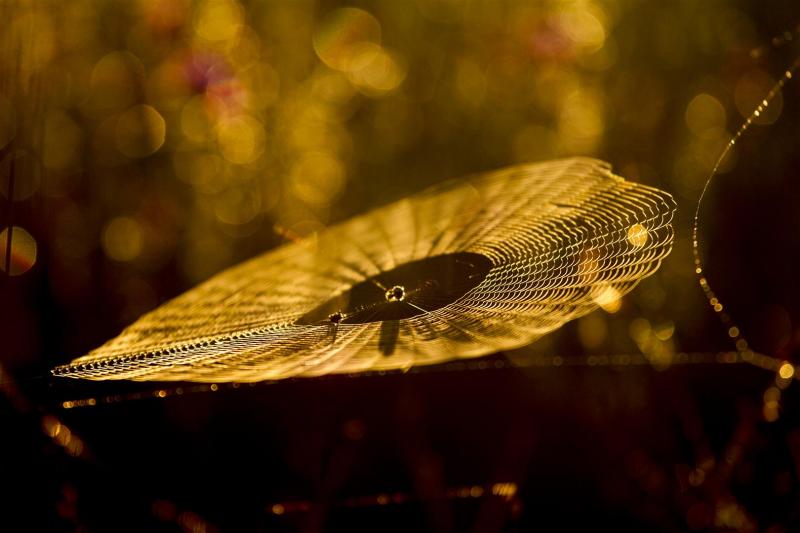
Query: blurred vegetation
point(155, 143)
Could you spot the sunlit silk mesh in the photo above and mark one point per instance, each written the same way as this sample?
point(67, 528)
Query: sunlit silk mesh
point(468, 268)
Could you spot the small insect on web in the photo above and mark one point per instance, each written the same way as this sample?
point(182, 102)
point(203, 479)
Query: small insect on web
point(468, 268)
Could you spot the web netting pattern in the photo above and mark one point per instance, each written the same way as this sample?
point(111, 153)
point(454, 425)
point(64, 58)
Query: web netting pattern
point(563, 237)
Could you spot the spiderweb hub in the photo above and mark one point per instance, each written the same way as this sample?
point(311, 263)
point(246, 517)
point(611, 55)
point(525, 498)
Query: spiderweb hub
point(406, 291)
point(396, 294)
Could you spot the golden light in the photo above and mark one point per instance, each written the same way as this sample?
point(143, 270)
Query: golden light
point(237, 205)
point(580, 122)
point(584, 24)
point(208, 173)
point(195, 121)
point(218, 21)
point(23, 251)
point(51, 426)
point(247, 52)
point(786, 371)
point(341, 32)
point(317, 178)
point(770, 411)
point(241, 139)
point(140, 131)
point(374, 70)
point(637, 235)
point(263, 81)
point(772, 394)
point(113, 83)
point(592, 330)
point(749, 93)
point(696, 477)
point(123, 239)
point(278, 509)
point(333, 87)
point(705, 117)
point(168, 86)
point(664, 332)
point(608, 298)
point(504, 490)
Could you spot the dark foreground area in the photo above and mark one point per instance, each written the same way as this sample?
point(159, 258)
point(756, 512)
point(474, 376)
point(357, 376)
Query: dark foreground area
point(444, 449)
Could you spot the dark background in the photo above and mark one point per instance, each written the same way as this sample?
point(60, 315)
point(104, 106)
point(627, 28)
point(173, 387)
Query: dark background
point(129, 208)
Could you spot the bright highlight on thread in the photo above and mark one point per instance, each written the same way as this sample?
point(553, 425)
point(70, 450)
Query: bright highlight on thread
point(22, 248)
point(637, 235)
point(734, 332)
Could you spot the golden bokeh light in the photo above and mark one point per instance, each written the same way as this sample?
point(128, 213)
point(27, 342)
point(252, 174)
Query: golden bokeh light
point(705, 117)
point(749, 93)
point(248, 50)
point(333, 87)
point(241, 139)
point(504, 490)
point(207, 173)
point(123, 239)
point(318, 178)
point(113, 83)
point(237, 205)
point(374, 70)
point(664, 331)
point(580, 122)
point(278, 509)
point(786, 371)
point(264, 81)
point(637, 235)
point(592, 330)
point(584, 24)
point(23, 251)
point(640, 329)
point(218, 21)
point(772, 394)
point(62, 435)
point(168, 85)
point(341, 33)
point(51, 426)
point(195, 121)
point(608, 298)
point(771, 411)
point(140, 131)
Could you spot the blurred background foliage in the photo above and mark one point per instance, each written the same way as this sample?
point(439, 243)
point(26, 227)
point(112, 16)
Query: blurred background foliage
point(155, 143)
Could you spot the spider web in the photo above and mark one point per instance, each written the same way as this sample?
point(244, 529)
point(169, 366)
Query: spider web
point(563, 237)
